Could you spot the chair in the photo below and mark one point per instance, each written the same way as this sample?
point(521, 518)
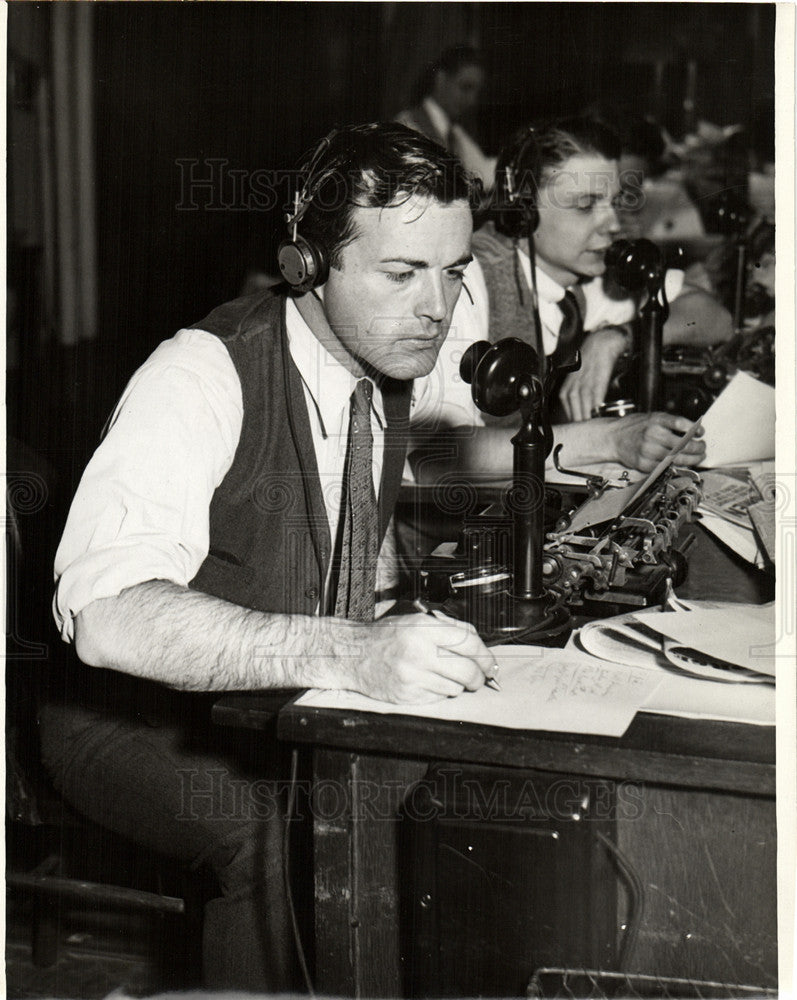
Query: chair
point(56, 858)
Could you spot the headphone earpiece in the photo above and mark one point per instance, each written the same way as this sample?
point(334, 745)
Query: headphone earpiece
point(302, 262)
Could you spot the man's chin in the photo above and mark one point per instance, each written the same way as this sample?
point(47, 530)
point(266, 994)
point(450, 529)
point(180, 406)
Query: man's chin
point(406, 368)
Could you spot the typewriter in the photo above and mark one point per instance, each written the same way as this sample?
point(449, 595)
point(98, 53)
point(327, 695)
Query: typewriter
point(528, 567)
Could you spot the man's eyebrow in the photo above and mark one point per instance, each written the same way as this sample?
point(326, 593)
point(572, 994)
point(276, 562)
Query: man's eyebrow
point(425, 263)
point(404, 260)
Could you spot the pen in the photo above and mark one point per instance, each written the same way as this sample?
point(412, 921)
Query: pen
point(418, 604)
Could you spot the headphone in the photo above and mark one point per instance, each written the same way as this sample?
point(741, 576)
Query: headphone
point(516, 191)
point(303, 263)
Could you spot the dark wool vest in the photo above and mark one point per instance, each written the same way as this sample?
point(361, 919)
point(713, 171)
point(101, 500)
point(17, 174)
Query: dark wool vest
point(509, 297)
point(270, 544)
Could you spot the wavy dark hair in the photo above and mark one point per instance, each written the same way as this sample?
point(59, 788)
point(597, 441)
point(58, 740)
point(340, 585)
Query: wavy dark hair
point(532, 152)
point(377, 165)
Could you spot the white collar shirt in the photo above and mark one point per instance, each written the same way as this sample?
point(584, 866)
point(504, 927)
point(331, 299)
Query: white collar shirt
point(141, 511)
point(549, 293)
point(598, 307)
point(465, 147)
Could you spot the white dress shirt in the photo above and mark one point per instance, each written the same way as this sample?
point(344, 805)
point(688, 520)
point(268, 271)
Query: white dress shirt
point(602, 309)
point(464, 146)
point(141, 511)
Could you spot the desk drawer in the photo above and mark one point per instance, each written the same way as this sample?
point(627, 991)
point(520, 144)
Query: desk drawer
point(507, 872)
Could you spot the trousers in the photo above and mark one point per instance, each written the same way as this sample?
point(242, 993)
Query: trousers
point(176, 789)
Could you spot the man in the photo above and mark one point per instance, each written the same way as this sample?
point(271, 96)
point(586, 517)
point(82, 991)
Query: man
point(217, 543)
point(456, 81)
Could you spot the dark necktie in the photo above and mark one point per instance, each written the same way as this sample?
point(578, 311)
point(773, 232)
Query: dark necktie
point(359, 518)
point(451, 141)
point(571, 332)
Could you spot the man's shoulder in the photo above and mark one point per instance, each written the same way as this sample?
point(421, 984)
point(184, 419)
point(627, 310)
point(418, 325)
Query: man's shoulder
point(246, 317)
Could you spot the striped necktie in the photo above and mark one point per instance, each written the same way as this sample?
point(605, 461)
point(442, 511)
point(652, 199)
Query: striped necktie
point(359, 527)
point(571, 332)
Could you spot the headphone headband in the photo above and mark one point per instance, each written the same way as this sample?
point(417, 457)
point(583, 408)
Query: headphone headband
point(303, 264)
point(513, 167)
point(303, 198)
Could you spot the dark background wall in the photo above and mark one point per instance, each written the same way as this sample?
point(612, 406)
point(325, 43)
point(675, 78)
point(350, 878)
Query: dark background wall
point(254, 84)
point(548, 58)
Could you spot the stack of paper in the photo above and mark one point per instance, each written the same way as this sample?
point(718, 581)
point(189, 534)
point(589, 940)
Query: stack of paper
point(716, 660)
point(739, 508)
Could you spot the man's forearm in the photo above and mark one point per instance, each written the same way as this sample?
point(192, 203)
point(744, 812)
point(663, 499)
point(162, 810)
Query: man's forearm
point(585, 442)
point(195, 642)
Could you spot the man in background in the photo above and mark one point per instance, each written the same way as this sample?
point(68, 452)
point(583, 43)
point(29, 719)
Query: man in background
point(454, 87)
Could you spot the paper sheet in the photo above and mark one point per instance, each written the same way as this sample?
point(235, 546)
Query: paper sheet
point(612, 503)
point(741, 540)
point(743, 634)
point(687, 697)
point(553, 690)
point(692, 698)
point(740, 423)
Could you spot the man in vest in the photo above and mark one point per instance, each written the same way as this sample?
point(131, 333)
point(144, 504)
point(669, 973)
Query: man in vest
point(224, 535)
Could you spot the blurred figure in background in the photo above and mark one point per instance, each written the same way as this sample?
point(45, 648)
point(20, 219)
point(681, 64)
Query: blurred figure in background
point(452, 90)
point(655, 202)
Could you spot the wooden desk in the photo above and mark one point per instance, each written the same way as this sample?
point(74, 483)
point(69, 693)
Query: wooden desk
point(701, 841)
point(686, 811)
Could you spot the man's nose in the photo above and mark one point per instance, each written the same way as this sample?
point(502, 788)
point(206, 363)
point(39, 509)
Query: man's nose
point(432, 303)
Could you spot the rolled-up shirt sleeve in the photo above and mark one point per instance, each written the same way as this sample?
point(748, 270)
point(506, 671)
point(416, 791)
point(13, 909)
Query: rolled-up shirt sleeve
point(141, 511)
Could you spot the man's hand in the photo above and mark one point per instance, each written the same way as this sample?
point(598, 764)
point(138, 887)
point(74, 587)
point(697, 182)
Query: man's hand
point(584, 390)
point(642, 440)
point(412, 659)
